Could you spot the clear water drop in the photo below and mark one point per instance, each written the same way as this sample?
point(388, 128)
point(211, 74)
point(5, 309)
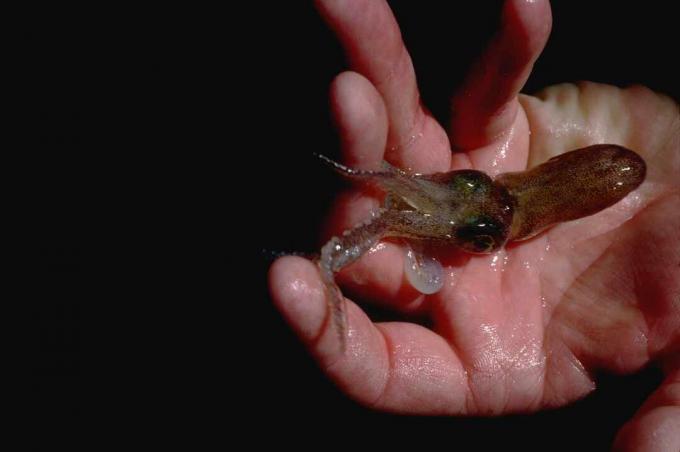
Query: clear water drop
point(425, 273)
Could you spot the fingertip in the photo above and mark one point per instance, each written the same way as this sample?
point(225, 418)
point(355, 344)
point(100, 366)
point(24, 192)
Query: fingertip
point(331, 6)
point(298, 293)
point(529, 20)
point(356, 97)
point(486, 106)
point(657, 430)
point(361, 118)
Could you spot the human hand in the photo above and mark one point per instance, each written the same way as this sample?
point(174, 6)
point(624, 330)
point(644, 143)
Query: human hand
point(525, 328)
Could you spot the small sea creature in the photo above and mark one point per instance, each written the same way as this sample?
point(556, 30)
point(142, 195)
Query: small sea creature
point(475, 213)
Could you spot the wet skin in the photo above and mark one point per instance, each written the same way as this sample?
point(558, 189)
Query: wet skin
point(471, 211)
point(532, 325)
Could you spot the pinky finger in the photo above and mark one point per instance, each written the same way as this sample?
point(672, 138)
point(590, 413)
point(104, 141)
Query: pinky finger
point(392, 366)
point(299, 295)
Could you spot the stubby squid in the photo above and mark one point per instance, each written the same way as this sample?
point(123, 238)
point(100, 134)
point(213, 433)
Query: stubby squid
point(475, 213)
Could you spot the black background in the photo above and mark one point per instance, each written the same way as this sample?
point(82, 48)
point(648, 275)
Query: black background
point(167, 148)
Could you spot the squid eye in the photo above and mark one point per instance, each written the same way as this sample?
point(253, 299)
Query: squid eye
point(483, 243)
point(470, 182)
point(481, 235)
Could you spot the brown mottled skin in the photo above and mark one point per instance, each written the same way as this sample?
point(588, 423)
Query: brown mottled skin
point(572, 185)
point(468, 209)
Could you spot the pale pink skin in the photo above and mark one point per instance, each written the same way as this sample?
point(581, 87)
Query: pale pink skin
point(526, 327)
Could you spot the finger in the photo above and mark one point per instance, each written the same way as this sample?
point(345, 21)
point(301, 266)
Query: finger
point(392, 366)
point(485, 107)
point(379, 276)
point(361, 120)
point(634, 117)
point(656, 426)
point(299, 294)
point(372, 41)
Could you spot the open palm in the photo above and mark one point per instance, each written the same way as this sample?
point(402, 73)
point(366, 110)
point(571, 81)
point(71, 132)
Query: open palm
point(526, 327)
